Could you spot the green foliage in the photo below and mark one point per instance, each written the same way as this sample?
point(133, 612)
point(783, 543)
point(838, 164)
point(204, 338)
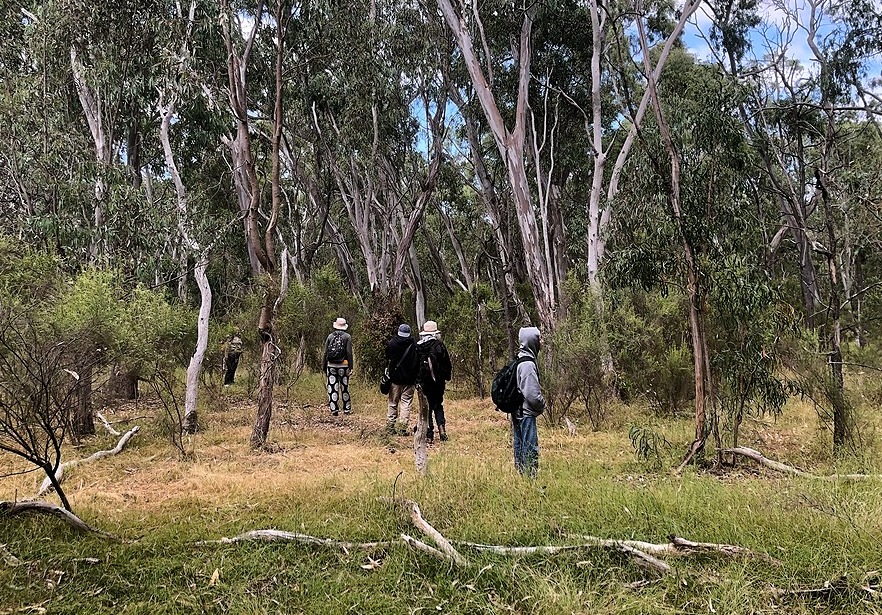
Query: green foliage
point(579, 353)
point(154, 334)
point(748, 319)
point(307, 314)
point(647, 332)
point(650, 446)
point(384, 316)
point(474, 334)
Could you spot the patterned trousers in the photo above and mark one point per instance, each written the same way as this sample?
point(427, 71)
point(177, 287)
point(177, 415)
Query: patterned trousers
point(338, 389)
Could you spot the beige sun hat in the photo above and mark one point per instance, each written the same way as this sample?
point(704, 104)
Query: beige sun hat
point(340, 324)
point(430, 327)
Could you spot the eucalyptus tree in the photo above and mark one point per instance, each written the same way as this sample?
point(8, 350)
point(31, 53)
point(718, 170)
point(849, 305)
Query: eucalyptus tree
point(799, 119)
point(174, 89)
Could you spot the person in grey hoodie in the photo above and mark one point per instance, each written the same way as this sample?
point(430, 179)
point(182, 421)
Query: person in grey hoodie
point(525, 438)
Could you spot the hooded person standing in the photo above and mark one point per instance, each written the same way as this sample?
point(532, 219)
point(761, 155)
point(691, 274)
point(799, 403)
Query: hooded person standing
point(525, 438)
point(401, 354)
point(435, 370)
point(337, 364)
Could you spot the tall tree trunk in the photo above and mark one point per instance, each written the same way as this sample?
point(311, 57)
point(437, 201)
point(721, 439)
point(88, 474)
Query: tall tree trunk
point(511, 146)
point(700, 355)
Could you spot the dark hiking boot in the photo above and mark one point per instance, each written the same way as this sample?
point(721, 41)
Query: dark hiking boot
point(442, 433)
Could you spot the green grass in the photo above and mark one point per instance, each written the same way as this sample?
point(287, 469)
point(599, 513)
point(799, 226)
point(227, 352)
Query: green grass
point(591, 484)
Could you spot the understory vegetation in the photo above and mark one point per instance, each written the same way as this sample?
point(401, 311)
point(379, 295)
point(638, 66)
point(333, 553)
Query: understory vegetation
point(332, 479)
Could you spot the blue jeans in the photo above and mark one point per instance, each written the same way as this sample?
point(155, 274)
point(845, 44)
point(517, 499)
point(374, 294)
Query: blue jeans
point(525, 440)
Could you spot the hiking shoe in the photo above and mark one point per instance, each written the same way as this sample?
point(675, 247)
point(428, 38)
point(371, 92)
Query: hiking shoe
point(347, 412)
point(442, 433)
point(430, 441)
point(334, 413)
point(390, 429)
point(403, 430)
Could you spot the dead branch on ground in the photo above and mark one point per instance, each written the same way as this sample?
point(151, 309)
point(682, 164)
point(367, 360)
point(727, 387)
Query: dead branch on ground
point(107, 425)
point(47, 486)
point(279, 535)
point(45, 508)
point(416, 516)
point(761, 459)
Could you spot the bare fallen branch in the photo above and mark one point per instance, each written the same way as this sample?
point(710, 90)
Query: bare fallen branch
point(279, 535)
point(45, 508)
point(626, 546)
point(107, 425)
point(646, 553)
point(686, 546)
point(786, 469)
point(46, 486)
point(421, 546)
point(416, 516)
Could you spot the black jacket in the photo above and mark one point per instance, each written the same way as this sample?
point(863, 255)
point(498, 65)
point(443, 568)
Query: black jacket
point(402, 369)
point(441, 368)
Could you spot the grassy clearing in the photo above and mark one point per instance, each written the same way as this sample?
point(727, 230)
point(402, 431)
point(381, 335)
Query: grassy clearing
point(324, 476)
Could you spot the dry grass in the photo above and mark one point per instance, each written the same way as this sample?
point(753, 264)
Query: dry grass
point(309, 447)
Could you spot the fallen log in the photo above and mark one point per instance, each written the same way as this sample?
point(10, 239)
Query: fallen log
point(421, 546)
point(45, 508)
point(279, 535)
point(107, 425)
point(46, 486)
point(625, 546)
point(761, 459)
point(416, 517)
point(647, 552)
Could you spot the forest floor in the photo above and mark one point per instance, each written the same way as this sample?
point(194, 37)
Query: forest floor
point(816, 542)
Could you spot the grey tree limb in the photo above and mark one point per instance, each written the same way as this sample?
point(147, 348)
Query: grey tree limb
point(46, 487)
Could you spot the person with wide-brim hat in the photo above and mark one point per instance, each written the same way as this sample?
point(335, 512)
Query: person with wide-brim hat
point(434, 373)
point(337, 364)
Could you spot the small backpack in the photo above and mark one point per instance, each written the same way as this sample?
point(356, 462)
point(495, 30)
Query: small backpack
point(336, 348)
point(504, 391)
point(426, 369)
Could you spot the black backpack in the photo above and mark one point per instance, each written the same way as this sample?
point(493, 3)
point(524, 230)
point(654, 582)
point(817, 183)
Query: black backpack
point(336, 348)
point(504, 391)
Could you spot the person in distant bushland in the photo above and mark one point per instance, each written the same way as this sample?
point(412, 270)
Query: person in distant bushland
point(525, 438)
point(232, 352)
point(435, 370)
point(401, 354)
point(337, 364)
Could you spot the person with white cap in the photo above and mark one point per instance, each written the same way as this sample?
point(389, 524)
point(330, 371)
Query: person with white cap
point(434, 372)
point(401, 354)
point(337, 364)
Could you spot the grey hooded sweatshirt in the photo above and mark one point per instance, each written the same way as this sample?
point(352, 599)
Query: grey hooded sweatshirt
point(528, 374)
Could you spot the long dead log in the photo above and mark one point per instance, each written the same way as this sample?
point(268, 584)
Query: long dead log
point(46, 486)
point(761, 459)
point(45, 508)
point(279, 535)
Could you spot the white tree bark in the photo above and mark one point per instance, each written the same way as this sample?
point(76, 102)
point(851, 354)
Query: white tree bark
point(511, 146)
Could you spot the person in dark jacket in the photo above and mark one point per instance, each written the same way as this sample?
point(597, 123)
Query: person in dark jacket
point(434, 372)
point(337, 364)
point(401, 354)
point(525, 438)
